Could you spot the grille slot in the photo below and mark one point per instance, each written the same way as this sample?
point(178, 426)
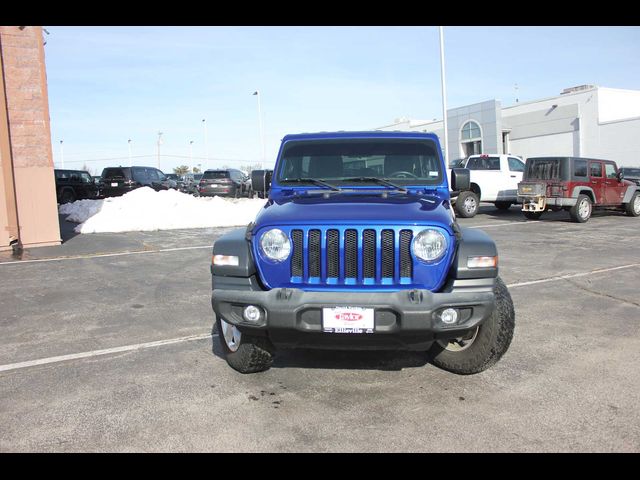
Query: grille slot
point(296, 259)
point(406, 265)
point(314, 253)
point(333, 253)
point(388, 253)
point(369, 254)
point(350, 253)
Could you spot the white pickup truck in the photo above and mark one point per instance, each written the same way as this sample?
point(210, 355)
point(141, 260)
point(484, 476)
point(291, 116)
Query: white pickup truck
point(494, 179)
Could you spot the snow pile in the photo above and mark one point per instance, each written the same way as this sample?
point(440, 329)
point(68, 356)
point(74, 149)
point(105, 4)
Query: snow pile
point(144, 209)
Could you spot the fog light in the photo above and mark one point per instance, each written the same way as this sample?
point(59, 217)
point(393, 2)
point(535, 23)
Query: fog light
point(449, 316)
point(251, 313)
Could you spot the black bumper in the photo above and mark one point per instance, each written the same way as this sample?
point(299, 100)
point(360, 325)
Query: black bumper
point(406, 319)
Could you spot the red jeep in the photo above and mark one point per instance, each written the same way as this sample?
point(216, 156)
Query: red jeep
point(577, 185)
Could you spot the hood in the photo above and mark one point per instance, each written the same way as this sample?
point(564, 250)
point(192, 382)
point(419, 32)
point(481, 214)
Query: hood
point(356, 209)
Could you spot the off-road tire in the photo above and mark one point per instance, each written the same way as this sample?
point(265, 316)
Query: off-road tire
point(629, 207)
point(472, 199)
point(492, 340)
point(68, 196)
point(503, 205)
point(255, 354)
point(574, 211)
point(533, 215)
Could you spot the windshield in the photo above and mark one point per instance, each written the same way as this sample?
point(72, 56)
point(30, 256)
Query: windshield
point(544, 168)
point(404, 162)
point(631, 172)
point(216, 174)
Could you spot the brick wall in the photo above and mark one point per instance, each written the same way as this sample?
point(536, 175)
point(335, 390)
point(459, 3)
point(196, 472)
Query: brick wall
point(26, 110)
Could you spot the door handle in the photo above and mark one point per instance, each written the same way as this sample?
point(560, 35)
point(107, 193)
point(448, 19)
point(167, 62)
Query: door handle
point(513, 176)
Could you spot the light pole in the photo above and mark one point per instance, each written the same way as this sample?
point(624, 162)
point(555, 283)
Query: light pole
point(257, 94)
point(61, 154)
point(206, 144)
point(191, 154)
point(445, 148)
point(159, 143)
point(129, 144)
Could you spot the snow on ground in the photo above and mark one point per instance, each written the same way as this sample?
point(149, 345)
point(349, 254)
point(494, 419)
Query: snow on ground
point(144, 209)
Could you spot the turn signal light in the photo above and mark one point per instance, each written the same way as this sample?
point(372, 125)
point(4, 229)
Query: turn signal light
point(482, 262)
point(225, 260)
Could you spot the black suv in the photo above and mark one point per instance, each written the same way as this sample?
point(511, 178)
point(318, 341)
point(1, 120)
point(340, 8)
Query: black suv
point(631, 174)
point(72, 185)
point(228, 182)
point(120, 180)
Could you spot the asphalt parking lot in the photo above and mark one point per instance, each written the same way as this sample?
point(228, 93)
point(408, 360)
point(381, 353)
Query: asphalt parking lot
point(107, 346)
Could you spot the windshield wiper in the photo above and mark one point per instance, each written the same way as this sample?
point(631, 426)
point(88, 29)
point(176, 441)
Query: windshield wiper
point(312, 180)
point(379, 181)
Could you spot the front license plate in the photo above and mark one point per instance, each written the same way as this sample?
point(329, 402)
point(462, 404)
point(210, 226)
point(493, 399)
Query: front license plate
point(347, 320)
point(114, 184)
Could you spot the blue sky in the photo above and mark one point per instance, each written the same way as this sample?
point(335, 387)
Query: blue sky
point(111, 84)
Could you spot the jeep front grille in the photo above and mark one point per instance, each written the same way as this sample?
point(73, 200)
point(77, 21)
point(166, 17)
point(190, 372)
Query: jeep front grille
point(351, 256)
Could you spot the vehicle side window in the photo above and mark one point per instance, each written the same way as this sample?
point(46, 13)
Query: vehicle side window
point(595, 169)
point(580, 168)
point(86, 178)
point(493, 163)
point(610, 170)
point(159, 175)
point(74, 177)
point(516, 165)
point(472, 164)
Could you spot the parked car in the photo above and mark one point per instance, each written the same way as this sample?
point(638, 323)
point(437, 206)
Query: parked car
point(457, 163)
point(631, 174)
point(72, 185)
point(577, 185)
point(172, 177)
point(190, 183)
point(370, 261)
point(229, 182)
point(494, 179)
point(120, 180)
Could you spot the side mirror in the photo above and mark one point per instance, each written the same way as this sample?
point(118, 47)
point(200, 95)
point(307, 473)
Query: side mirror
point(620, 175)
point(460, 179)
point(260, 180)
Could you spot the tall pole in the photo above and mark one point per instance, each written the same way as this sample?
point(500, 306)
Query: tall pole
point(61, 154)
point(257, 94)
point(206, 144)
point(445, 148)
point(129, 143)
point(191, 154)
point(159, 143)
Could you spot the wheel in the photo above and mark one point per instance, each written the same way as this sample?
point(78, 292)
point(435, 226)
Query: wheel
point(581, 211)
point(503, 205)
point(244, 353)
point(483, 346)
point(533, 215)
point(68, 196)
point(467, 204)
point(633, 207)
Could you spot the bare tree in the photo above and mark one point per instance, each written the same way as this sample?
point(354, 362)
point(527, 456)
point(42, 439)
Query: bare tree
point(181, 170)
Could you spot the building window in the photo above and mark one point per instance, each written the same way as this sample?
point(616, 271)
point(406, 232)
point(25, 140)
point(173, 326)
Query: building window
point(471, 139)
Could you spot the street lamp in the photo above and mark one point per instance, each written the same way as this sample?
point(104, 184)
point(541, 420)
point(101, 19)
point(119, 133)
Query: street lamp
point(444, 99)
point(257, 94)
point(61, 154)
point(129, 144)
point(191, 154)
point(206, 144)
point(159, 143)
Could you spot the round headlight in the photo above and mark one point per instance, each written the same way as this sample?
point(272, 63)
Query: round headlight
point(275, 245)
point(429, 245)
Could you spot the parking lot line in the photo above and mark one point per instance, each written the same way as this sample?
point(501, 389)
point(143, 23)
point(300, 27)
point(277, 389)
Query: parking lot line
point(100, 255)
point(571, 275)
point(501, 224)
point(106, 351)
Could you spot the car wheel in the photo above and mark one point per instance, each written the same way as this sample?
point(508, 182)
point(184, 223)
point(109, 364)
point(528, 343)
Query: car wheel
point(481, 347)
point(244, 353)
point(503, 205)
point(68, 196)
point(467, 204)
point(633, 207)
point(533, 215)
point(581, 211)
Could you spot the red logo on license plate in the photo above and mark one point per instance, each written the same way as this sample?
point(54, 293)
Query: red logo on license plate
point(348, 317)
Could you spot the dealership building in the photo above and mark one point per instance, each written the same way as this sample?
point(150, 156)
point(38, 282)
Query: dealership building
point(585, 121)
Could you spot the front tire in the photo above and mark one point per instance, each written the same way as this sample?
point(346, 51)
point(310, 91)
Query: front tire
point(483, 346)
point(244, 353)
point(467, 204)
point(581, 211)
point(633, 207)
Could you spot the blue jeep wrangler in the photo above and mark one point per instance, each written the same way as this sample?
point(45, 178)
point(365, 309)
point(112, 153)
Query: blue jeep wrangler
point(358, 247)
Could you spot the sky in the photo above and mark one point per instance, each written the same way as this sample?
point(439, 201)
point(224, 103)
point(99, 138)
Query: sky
point(109, 85)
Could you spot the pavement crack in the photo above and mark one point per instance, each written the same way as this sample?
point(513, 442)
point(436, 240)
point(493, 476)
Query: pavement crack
point(600, 294)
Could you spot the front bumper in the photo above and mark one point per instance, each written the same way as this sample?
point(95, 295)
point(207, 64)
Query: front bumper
point(406, 319)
